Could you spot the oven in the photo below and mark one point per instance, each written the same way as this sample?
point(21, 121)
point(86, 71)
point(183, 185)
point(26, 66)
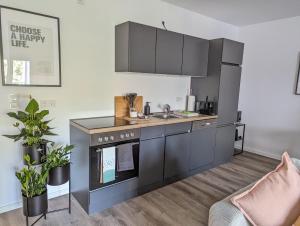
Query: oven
point(114, 157)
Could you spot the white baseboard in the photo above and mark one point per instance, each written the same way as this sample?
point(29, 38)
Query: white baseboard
point(260, 152)
point(16, 205)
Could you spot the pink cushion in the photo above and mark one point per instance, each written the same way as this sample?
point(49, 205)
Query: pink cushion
point(275, 199)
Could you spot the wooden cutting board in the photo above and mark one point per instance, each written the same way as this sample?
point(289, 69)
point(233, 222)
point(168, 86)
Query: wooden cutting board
point(122, 106)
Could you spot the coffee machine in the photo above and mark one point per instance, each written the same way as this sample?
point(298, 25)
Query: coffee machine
point(207, 107)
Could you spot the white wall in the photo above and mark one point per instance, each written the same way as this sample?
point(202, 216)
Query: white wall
point(88, 77)
point(270, 108)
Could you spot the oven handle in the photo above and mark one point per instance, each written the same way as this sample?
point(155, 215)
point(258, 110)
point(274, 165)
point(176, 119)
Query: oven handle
point(100, 149)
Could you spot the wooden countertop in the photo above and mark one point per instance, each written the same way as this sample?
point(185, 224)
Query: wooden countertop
point(141, 123)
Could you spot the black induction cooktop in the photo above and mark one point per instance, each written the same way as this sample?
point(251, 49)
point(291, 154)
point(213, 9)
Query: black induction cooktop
point(100, 122)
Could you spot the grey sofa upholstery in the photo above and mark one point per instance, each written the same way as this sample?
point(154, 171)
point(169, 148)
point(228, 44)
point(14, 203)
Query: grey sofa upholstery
point(224, 213)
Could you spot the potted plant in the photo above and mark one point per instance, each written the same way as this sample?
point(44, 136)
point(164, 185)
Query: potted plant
point(34, 188)
point(58, 164)
point(32, 129)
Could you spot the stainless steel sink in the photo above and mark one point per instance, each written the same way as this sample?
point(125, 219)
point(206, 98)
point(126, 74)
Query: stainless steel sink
point(165, 116)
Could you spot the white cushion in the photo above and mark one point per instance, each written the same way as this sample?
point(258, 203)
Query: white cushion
point(224, 213)
point(296, 162)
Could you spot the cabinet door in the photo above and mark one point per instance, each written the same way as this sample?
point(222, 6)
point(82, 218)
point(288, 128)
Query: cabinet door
point(195, 56)
point(152, 132)
point(178, 128)
point(169, 52)
point(203, 143)
point(151, 161)
point(142, 48)
point(229, 94)
point(176, 155)
point(232, 52)
point(224, 144)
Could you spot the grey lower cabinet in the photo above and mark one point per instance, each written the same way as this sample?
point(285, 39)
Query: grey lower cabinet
point(224, 144)
point(195, 56)
point(135, 48)
point(169, 47)
point(177, 155)
point(151, 165)
point(202, 149)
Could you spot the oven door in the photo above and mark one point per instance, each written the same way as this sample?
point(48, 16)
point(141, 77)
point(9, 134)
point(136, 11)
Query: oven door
point(113, 163)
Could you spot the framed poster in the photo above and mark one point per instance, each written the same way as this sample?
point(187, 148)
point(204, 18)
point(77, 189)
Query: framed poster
point(30, 48)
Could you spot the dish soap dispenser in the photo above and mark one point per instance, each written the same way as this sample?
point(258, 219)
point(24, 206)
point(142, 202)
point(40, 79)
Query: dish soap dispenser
point(147, 109)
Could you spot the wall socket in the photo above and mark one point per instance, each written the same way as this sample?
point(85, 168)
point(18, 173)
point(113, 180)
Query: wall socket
point(13, 106)
point(81, 2)
point(18, 101)
point(48, 103)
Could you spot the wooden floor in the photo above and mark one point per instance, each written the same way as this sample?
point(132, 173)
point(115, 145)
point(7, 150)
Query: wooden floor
point(186, 202)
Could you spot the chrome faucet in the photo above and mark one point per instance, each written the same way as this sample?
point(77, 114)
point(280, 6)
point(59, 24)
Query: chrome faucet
point(167, 109)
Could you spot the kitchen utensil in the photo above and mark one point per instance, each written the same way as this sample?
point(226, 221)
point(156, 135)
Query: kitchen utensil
point(122, 107)
point(130, 97)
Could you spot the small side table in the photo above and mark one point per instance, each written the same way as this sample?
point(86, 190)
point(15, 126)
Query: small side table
point(240, 138)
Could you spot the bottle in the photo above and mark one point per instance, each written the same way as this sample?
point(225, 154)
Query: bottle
point(147, 109)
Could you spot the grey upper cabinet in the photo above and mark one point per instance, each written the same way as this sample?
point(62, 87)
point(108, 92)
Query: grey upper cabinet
point(146, 49)
point(151, 163)
point(195, 56)
point(135, 48)
point(202, 148)
point(224, 144)
point(229, 93)
point(177, 155)
point(169, 47)
point(232, 52)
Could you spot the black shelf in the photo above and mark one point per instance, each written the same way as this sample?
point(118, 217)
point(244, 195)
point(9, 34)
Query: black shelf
point(240, 138)
point(44, 215)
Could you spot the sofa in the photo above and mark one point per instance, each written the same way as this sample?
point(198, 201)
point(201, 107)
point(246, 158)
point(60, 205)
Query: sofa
point(224, 213)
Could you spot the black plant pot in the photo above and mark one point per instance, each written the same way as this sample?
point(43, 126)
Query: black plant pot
point(36, 153)
point(36, 205)
point(59, 175)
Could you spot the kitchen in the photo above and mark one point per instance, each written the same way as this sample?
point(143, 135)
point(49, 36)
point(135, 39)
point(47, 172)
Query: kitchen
point(160, 148)
point(149, 94)
point(89, 82)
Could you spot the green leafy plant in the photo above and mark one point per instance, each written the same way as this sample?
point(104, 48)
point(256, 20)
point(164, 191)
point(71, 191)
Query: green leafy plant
point(58, 156)
point(33, 183)
point(31, 124)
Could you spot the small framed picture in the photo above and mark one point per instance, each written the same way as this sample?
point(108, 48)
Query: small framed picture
point(297, 90)
point(29, 48)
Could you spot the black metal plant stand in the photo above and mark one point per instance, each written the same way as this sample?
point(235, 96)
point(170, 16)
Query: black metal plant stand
point(44, 215)
point(240, 138)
